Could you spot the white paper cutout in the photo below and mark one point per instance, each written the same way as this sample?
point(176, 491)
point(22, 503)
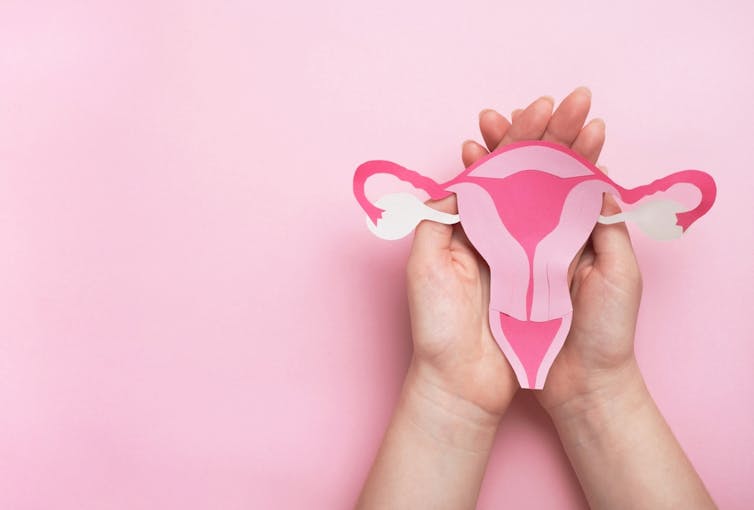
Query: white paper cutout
point(656, 218)
point(402, 212)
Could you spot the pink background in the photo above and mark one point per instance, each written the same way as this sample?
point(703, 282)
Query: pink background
point(192, 312)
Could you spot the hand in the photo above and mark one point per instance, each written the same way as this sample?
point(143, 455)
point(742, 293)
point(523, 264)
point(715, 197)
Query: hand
point(459, 384)
point(436, 448)
point(448, 282)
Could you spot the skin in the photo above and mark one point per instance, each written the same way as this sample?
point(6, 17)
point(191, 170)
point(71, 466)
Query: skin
point(459, 384)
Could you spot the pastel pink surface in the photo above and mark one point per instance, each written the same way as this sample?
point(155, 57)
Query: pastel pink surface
point(174, 188)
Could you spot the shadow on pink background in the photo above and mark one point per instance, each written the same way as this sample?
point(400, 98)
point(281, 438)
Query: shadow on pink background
point(192, 312)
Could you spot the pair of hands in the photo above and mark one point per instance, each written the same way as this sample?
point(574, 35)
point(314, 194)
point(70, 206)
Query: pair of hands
point(455, 353)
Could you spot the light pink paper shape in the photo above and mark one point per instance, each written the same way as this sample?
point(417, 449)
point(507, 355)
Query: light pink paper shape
point(528, 208)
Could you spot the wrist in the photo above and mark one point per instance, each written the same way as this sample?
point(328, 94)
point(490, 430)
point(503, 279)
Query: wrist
point(446, 417)
point(608, 400)
point(435, 451)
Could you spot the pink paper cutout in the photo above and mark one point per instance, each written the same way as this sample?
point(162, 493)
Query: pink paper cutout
point(528, 208)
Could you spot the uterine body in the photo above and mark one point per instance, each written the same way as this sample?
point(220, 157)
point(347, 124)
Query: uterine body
point(528, 225)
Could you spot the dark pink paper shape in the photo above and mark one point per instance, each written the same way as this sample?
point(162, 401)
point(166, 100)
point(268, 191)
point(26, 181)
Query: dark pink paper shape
point(528, 208)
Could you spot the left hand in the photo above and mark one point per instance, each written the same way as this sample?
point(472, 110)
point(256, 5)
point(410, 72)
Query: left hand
point(435, 450)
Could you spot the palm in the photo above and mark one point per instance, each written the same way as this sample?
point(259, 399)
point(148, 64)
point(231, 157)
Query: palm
point(449, 301)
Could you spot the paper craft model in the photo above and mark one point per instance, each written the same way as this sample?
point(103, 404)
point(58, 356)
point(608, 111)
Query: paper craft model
point(528, 208)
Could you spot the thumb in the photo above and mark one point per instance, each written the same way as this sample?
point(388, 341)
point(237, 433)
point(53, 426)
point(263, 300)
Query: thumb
point(611, 243)
point(430, 236)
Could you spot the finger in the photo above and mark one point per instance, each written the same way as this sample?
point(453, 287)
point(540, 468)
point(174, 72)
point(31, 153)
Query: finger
point(531, 123)
point(493, 127)
point(590, 140)
point(585, 256)
point(460, 238)
point(575, 263)
point(568, 119)
point(431, 237)
point(515, 113)
point(471, 151)
point(611, 243)
point(584, 261)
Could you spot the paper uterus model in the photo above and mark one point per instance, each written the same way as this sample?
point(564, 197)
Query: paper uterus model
point(528, 208)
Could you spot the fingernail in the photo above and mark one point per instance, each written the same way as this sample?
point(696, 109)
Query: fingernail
point(584, 90)
point(463, 144)
point(548, 98)
point(484, 112)
point(542, 103)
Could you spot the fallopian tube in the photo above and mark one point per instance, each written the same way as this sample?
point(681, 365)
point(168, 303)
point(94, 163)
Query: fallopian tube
point(528, 208)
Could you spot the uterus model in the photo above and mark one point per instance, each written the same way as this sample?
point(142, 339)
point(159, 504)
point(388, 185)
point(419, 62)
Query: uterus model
point(528, 208)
